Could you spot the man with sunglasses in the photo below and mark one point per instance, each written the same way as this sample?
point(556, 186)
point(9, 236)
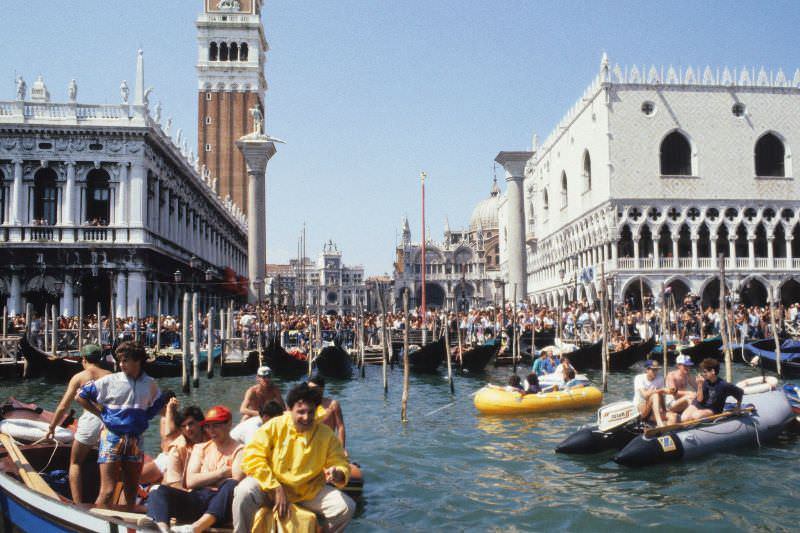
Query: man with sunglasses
point(712, 391)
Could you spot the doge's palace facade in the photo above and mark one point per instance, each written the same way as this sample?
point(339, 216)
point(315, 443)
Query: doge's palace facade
point(655, 172)
point(107, 202)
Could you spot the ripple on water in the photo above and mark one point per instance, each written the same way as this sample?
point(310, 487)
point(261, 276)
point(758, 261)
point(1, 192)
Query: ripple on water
point(450, 468)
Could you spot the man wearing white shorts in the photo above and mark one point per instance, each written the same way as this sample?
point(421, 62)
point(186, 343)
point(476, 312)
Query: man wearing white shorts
point(89, 426)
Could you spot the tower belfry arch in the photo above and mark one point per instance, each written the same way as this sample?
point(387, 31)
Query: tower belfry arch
point(232, 51)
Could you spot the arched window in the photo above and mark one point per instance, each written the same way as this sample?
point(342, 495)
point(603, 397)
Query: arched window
point(587, 171)
point(243, 52)
point(770, 155)
point(97, 198)
point(676, 155)
point(234, 53)
point(563, 189)
point(545, 200)
point(212, 52)
point(45, 197)
point(223, 51)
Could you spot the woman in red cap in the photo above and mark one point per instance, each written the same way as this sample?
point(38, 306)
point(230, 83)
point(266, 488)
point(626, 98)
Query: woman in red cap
point(209, 477)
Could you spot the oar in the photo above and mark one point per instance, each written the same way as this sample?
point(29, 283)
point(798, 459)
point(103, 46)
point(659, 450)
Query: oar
point(29, 476)
point(653, 432)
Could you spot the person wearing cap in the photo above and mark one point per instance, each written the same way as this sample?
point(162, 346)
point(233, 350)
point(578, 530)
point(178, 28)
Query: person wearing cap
point(294, 460)
point(87, 434)
point(681, 393)
point(211, 477)
point(648, 389)
point(263, 392)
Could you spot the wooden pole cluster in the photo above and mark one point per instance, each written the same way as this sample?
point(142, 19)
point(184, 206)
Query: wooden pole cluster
point(158, 324)
point(775, 335)
point(404, 398)
point(514, 338)
point(445, 325)
point(46, 330)
point(54, 335)
point(664, 328)
point(28, 314)
point(195, 343)
point(604, 322)
point(385, 346)
point(185, 343)
point(210, 343)
point(80, 322)
point(723, 326)
point(136, 322)
point(99, 327)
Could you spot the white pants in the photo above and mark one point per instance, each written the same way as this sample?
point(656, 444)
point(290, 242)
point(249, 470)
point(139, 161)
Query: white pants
point(334, 507)
point(89, 428)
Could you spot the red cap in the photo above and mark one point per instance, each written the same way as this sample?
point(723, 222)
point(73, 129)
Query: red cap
point(218, 413)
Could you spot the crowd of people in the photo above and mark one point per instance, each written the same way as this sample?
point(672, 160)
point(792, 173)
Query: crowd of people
point(286, 457)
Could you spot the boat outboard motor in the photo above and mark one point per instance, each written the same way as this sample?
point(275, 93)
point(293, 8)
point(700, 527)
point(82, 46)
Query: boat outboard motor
point(616, 426)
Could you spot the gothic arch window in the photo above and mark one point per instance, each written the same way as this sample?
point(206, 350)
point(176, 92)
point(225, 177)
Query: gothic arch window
point(625, 244)
point(98, 196)
point(223, 51)
point(243, 52)
point(676, 155)
point(770, 155)
point(703, 241)
point(741, 242)
point(213, 52)
point(722, 241)
point(760, 244)
point(684, 242)
point(45, 196)
point(664, 242)
point(779, 241)
point(563, 189)
point(796, 240)
point(587, 171)
point(646, 242)
point(234, 53)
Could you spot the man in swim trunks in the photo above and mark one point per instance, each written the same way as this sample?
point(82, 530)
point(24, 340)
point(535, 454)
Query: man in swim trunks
point(681, 393)
point(260, 394)
point(87, 434)
point(329, 411)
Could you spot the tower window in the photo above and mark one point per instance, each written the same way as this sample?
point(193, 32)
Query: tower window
point(208, 96)
point(676, 155)
point(770, 155)
point(208, 120)
point(212, 52)
point(234, 54)
point(223, 51)
point(243, 52)
point(208, 148)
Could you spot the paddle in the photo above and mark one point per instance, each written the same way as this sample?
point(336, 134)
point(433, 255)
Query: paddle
point(29, 476)
point(652, 432)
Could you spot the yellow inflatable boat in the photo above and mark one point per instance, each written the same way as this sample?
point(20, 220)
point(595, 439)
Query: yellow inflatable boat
point(492, 400)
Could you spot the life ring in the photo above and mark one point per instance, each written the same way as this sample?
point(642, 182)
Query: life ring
point(33, 430)
point(758, 384)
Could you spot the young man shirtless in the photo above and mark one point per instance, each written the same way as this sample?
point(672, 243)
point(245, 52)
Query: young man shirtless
point(89, 426)
point(681, 389)
point(260, 394)
point(329, 411)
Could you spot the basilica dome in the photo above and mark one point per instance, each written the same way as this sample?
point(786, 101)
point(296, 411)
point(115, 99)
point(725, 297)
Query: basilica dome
point(485, 213)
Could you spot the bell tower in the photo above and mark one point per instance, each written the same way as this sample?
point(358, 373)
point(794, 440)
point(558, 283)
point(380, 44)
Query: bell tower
point(231, 52)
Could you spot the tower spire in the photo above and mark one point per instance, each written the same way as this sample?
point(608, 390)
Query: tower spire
point(138, 93)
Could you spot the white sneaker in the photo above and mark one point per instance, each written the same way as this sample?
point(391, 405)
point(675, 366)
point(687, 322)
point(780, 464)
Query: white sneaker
point(185, 528)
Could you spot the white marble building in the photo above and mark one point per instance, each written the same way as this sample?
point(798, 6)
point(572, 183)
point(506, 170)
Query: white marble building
point(106, 200)
point(653, 173)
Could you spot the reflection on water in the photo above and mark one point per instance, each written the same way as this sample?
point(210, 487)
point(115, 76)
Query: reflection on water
point(450, 468)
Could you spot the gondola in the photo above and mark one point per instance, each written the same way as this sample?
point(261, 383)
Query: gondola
point(60, 368)
point(764, 351)
point(169, 364)
point(475, 360)
point(621, 360)
point(334, 362)
point(588, 356)
point(282, 363)
point(426, 360)
point(709, 347)
point(238, 362)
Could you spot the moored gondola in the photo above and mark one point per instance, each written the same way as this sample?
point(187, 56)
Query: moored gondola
point(169, 363)
point(475, 359)
point(426, 360)
point(334, 362)
point(588, 356)
point(282, 363)
point(59, 368)
point(621, 360)
point(709, 347)
point(236, 360)
point(764, 356)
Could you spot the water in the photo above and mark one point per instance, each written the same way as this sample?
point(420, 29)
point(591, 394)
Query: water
point(450, 468)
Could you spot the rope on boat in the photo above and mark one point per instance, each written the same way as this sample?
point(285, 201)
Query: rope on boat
point(55, 448)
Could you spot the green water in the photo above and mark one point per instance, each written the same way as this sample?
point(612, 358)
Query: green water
point(449, 468)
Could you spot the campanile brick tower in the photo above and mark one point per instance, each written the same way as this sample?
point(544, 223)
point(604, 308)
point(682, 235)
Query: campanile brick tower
point(232, 50)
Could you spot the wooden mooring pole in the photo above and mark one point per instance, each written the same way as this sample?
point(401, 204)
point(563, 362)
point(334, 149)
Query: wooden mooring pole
point(404, 398)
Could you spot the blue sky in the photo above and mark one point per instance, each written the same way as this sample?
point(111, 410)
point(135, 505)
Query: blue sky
point(368, 93)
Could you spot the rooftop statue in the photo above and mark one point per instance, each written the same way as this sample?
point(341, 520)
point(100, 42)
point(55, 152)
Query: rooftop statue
point(21, 88)
point(258, 121)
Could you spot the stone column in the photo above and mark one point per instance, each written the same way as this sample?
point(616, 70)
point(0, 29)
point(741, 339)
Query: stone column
point(789, 251)
point(68, 218)
point(770, 251)
point(15, 298)
point(119, 300)
point(636, 262)
point(137, 287)
point(751, 250)
point(17, 196)
point(514, 165)
point(122, 195)
point(138, 191)
point(257, 149)
point(675, 262)
point(694, 251)
point(69, 296)
point(714, 251)
point(732, 253)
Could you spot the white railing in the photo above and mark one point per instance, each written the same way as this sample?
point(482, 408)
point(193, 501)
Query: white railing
point(763, 263)
point(742, 262)
point(781, 262)
point(665, 262)
point(796, 264)
point(94, 234)
point(684, 262)
point(646, 262)
point(707, 263)
point(625, 263)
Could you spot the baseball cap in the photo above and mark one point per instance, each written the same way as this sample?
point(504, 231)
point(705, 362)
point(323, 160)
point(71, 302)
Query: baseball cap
point(264, 372)
point(92, 352)
point(652, 363)
point(684, 360)
point(218, 413)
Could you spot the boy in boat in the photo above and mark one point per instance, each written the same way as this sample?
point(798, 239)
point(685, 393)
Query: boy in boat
point(681, 393)
point(711, 393)
point(87, 434)
point(125, 401)
point(292, 459)
point(260, 394)
point(244, 430)
point(329, 411)
point(648, 389)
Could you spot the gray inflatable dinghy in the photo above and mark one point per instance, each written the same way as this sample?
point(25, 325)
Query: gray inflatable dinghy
point(771, 414)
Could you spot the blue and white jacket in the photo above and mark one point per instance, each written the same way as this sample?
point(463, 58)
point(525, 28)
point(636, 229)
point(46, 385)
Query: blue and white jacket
point(127, 404)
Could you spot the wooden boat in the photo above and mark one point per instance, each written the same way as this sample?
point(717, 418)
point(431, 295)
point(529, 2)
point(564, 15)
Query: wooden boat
point(621, 360)
point(60, 368)
point(282, 363)
point(475, 360)
point(168, 362)
point(11, 362)
point(588, 356)
point(709, 347)
point(236, 360)
point(493, 400)
point(334, 362)
point(764, 355)
point(426, 360)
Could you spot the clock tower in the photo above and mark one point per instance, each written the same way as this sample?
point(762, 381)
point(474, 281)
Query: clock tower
point(232, 51)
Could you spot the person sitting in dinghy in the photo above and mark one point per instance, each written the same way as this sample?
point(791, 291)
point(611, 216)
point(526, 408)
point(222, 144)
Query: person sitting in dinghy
point(711, 393)
point(648, 391)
